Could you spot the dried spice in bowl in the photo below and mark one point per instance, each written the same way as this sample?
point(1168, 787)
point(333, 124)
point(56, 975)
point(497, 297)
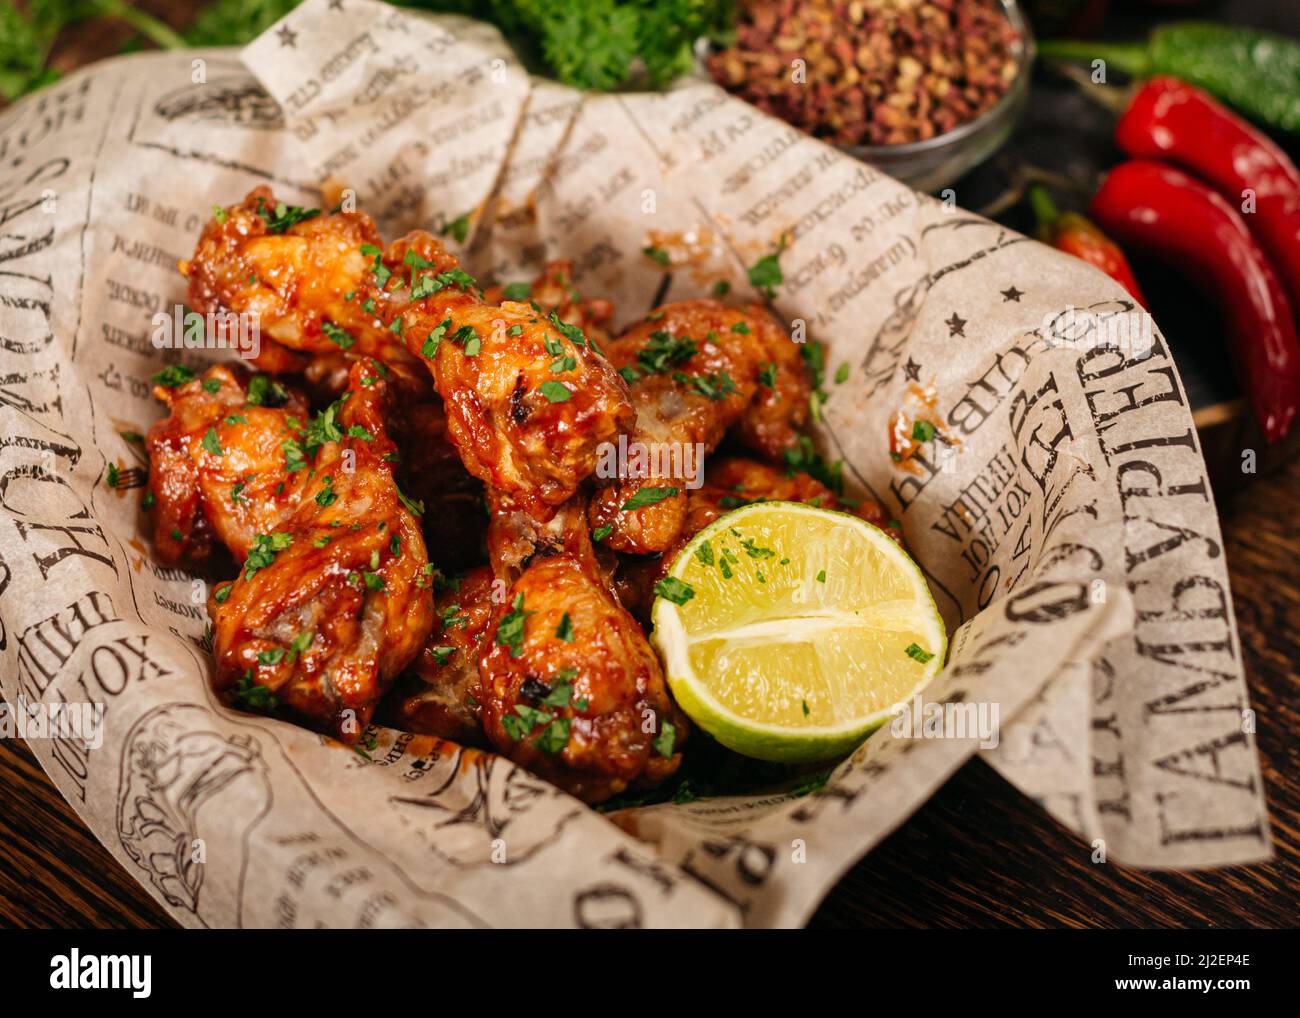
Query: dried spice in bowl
point(870, 72)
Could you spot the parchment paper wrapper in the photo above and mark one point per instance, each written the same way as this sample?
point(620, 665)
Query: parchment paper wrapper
point(1063, 517)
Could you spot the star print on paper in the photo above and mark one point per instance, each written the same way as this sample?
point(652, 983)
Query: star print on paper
point(956, 325)
point(1011, 293)
point(288, 37)
point(912, 370)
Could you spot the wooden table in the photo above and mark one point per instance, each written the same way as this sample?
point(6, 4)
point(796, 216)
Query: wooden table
point(977, 854)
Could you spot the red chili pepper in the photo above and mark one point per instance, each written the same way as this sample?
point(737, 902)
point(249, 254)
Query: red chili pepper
point(1171, 120)
point(1157, 208)
point(1073, 234)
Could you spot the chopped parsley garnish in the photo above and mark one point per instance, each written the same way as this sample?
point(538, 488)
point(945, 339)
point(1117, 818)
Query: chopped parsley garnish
point(510, 633)
point(741, 327)
point(704, 553)
point(265, 391)
point(415, 506)
point(434, 338)
point(658, 255)
point(662, 351)
point(556, 392)
point(765, 274)
point(294, 457)
point(467, 338)
point(716, 385)
point(265, 548)
point(337, 335)
point(236, 490)
point(517, 291)
point(663, 742)
point(600, 533)
point(114, 476)
point(721, 288)
point(358, 432)
point(284, 216)
point(554, 737)
point(252, 696)
point(917, 654)
point(373, 580)
point(173, 375)
point(220, 215)
point(378, 269)
point(564, 631)
point(674, 590)
point(922, 431)
point(803, 458)
point(149, 500)
point(326, 496)
point(842, 374)
point(212, 385)
point(821, 576)
point(222, 594)
point(458, 228)
point(647, 497)
point(211, 443)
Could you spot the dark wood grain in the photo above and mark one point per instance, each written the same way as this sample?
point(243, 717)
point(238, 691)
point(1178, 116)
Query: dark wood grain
point(978, 854)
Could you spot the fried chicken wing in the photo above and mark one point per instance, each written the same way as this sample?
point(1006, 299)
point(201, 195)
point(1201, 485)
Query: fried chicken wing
point(696, 368)
point(553, 290)
point(314, 282)
point(217, 468)
point(529, 400)
point(331, 606)
point(440, 693)
point(571, 688)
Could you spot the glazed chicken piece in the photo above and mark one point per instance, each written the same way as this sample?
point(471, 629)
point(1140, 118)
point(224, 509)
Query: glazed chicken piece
point(440, 695)
point(570, 687)
point(315, 281)
point(729, 483)
point(335, 602)
point(553, 290)
point(217, 467)
point(696, 368)
point(529, 400)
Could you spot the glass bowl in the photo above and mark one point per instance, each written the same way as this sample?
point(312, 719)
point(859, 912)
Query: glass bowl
point(932, 164)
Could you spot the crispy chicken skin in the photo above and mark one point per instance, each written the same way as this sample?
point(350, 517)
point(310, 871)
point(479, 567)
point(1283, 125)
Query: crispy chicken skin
point(217, 470)
point(314, 284)
point(529, 401)
point(332, 605)
point(570, 687)
point(696, 368)
point(439, 694)
point(553, 290)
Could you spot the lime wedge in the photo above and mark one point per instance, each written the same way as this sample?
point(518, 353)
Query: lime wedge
point(789, 632)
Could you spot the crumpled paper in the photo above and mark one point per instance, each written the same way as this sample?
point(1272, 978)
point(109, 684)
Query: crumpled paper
point(1062, 512)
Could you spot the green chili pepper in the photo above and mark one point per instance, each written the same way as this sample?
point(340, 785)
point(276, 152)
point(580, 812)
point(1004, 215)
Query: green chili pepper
point(1257, 72)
